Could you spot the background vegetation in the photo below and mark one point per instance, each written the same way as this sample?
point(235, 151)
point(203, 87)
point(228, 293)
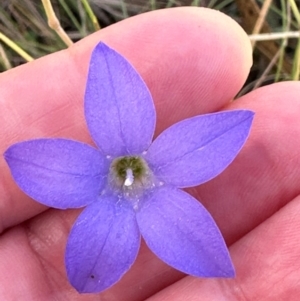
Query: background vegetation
point(24, 23)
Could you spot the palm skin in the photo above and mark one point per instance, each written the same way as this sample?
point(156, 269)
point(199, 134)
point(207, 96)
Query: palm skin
point(194, 61)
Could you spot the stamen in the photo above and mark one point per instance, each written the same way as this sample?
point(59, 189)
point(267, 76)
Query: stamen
point(129, 177)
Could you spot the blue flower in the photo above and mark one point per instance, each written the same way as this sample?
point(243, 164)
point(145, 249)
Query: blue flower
point(129, 184)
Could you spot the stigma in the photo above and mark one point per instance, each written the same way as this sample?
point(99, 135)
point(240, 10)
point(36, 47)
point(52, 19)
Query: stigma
point(129, 178)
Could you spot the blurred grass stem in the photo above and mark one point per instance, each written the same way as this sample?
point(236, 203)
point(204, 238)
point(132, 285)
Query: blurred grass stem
point(91, 14)
point(263, 77)
point(5, 61)
point(286, 25)
point(53, 23)
point(274, 36)
point(296, 63)
point(70, 15)
point(295, 10)
point(261, 19)
point(15, 47)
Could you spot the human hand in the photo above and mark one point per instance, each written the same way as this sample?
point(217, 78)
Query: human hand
point(194, 61)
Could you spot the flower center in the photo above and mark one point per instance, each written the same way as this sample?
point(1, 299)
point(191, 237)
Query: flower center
point(130, 176)
point(128, 170)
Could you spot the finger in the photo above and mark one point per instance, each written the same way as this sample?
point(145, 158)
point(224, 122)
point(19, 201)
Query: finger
point(257, 180)
point(267, 265)
point(44, 98)
point(33, 256)
point(266, 174)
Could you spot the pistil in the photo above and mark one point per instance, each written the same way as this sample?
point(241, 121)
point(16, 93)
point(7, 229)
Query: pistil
point(129, 178)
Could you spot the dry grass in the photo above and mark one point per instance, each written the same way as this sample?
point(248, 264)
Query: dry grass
point(24, 22)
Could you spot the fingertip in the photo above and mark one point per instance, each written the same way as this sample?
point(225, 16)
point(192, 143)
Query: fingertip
point(194, 60)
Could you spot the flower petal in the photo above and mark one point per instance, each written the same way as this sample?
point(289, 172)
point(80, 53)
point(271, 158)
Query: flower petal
point(102, 245)
point(119, 109)
point(197, 149)
point(180, 231)
point(59, 173)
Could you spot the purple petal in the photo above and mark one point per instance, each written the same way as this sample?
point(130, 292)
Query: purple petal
point(59, 173)
point(180, 231)
point(102, 246)
point(118, 106)
point(197, 149)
